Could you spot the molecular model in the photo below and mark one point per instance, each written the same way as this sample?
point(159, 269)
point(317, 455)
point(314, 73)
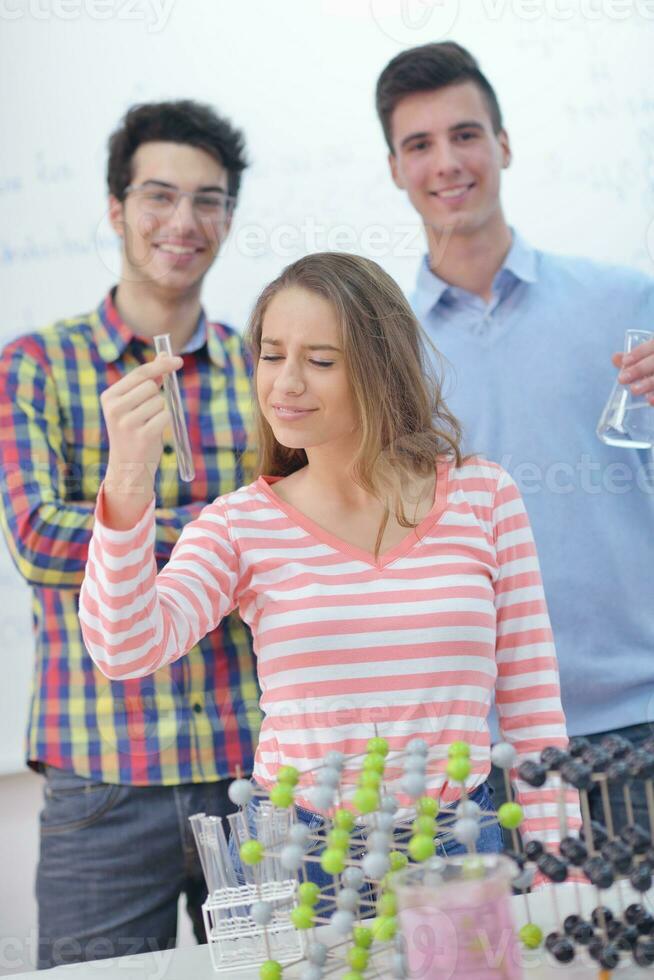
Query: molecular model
point(361, 843)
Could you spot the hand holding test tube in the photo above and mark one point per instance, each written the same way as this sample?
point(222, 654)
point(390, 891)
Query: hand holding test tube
point(174, 401)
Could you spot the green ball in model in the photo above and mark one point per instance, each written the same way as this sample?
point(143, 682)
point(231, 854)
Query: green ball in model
point(370, 779)
point(288, 774)
point(338, 838)
point(388, 881)
point(270, 970)
point(353, 975)
point(251, 852)
point(387, 904)
point(308, 893)
point(510, 815)
point(358, 957)
point(459, 750)
point(377, 744)
point(427, 806)
point(365, 800)
point(424, 825)
point(343, 819)
point(531, 935)
point(398, 860)
point(384, 928)
point(374, 762)
point(281, 795)
point(302, 917)
point(421, 847)
point(362, 937)
point(332, 860)
point(458, 769)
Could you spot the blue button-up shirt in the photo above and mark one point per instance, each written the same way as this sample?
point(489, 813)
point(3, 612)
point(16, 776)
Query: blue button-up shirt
point(528, 374)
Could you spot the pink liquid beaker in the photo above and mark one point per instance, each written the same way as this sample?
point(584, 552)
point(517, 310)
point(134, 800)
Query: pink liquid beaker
point(455, 919)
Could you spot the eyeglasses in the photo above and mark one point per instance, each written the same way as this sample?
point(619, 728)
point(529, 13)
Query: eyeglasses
point(163, 201)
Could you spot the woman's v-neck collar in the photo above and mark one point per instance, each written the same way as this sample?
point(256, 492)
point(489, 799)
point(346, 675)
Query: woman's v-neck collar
point(408, 542)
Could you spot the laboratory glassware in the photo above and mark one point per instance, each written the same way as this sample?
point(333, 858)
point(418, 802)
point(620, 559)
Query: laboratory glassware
point(174, 401)
point(628, 419)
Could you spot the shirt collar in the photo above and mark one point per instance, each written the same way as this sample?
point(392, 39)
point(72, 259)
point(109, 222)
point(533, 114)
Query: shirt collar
point(113, 335)
point(521, 260)
point(520, 263)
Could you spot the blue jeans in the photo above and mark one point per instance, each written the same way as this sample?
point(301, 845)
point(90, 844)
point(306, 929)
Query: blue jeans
point(489, 841)
point(114, 861)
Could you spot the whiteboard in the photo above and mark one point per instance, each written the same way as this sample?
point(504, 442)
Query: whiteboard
point(573, 78)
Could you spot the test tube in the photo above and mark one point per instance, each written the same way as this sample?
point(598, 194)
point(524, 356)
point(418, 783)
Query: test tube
point(174, 402)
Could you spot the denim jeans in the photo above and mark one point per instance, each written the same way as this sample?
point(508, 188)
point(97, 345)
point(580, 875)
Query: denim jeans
point(489, 841)
point(114, 861)
point(636, 734)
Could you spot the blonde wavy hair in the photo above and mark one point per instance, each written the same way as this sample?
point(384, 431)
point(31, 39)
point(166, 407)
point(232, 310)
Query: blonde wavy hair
point(405, 423)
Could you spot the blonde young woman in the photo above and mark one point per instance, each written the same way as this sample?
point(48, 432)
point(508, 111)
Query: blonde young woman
point(391, 587)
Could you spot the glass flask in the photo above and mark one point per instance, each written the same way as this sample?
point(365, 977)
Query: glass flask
point(455, 918)
point(627, 419)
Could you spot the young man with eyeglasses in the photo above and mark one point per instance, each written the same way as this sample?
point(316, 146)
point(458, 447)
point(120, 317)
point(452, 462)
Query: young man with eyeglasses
point(529, 338)
point(126, 763)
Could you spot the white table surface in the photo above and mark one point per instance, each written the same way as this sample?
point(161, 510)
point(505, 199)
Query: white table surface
point(194, 963)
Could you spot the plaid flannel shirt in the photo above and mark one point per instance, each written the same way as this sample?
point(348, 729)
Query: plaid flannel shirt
point(198, 719)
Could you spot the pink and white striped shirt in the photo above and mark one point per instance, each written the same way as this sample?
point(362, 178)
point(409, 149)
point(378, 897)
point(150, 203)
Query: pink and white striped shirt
point(412, 644)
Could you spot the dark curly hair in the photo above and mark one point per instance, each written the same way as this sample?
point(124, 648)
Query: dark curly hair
point(184, 121)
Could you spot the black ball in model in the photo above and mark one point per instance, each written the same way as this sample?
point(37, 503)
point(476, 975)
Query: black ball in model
point(570, 923)
point(609, 957)
point(533, 850)
point(645, 925)
point(597, 758)
point(552, 867)
point(616, 745)
point(634, 913)
point(619, 854)
point(641, 878)
point(618, 772)
point(635, 837)
point(631, 935)
point(641, 764)
point(577, 774)
point(583, 933)
point(628, 938)
point(573, 850)
point(533, 773)
point(595, 947)
point(599, 832)
point(563, 950)
point(644, 952)
point(551, 938)
point(578, 745)
point(553, 758)
point(600, 915)
point(599, 872)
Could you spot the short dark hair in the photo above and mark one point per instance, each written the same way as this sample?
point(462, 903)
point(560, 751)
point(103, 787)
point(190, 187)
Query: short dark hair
point(184, 121)
point(427, 68)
